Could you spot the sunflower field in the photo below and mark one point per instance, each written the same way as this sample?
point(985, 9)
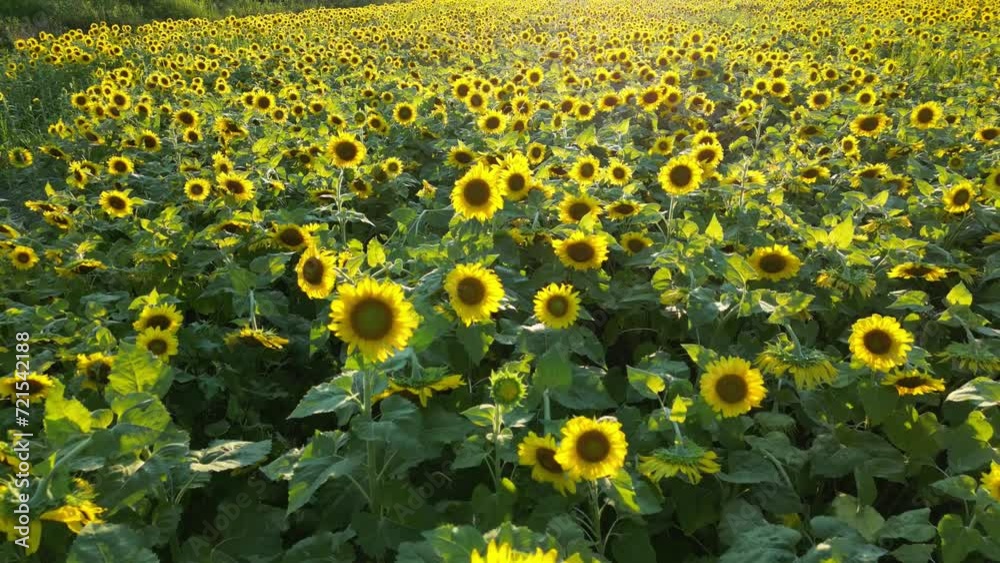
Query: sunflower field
point(504, 281)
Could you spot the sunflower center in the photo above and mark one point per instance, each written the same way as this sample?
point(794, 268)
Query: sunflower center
point(731, 388)
point(149, 142)
point(991, 133)
point(471, 291)
point(706, 155)
point(159, 321)
point(681, 176)
point(234, 187)
point(547, 460)
point(313, 270)
point(820, 99)
point(878, 341)
point(810, 173)
point(100, 372)
point(586, 170)
point(618, 173)
point(516, 182)
point(580, 251)
point(345, 150)
point(477, 192)
point(158, 346)
point(773, 263)
point(650, 97)
point(117, 203)
point(291, 237)
point(463, 157)
point(636, 245)
point(624, 209)
point(593, 446)
point(371, 319)
point(910, 382)
point(579, 210)
point(869, 124)
point(925, 115)
point(492, 122)
point(961, 197)
point(557, 306)
point(120, 166)
point(405, 113)
point(918, 271)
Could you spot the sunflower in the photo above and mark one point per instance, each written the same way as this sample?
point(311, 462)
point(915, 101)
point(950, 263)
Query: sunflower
point(687, 459)
point(76, 516)
point(880, 342)
point(820, 99)
point(557, 306)
point(187, 119)
point(23, 257)
point(492, 122)
point(236, 185)
point(159, 342)
point(573, 208)
point(991, 480)
point(290, 236)
point(197, 189)
point(959, 198)
point(591, 449)
point(422, 386)
point(38, 386)
point(731, 387)
point(912, 270)
point(507, 389)
point(95, 369)
point(461, 156)
point(164, 317)
point(987, 134)
point(315, 272)
point(116, 203)
point(345, 151)
point(539, 452)
point(808, 367)
point(618, 173)
point(926, 115)
point(474, 291)
point(373, 317)
point(255, 338)
point(708, 156)
point(913, 382)
point(8, 232)
point(535, 153)
point(662, 146)
point(849, 145)
point(681, 175)
point(476, 194)
point(585, 170)
point(581, 251)
point(148, 141)
point(392, 167)
point(869, 124)
point(634, 243)
point(505, 553)
point(623, 209)
point(991, 186)
point(120, 166)
point(404, 113)
point(20, 158)
point(775, 262)
point(515, 179)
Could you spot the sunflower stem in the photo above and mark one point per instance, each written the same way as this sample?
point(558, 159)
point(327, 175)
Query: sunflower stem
point(546, 406)
point(367, 382)
point(595, 516)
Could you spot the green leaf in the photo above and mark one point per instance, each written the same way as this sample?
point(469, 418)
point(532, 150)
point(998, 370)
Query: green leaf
point(982, 391)
point(911, 300)
point(842, 236)
point(769, 542)
point(912, 526)
point(324, 547)
point(65, 419)
point(375, 256)
point(553, 370)
point(320, 461)
point(714, 229)
point(957, 540)
point(749, 467)
point(914, 553)
point(137, 371)
point(109, 543)
point(969, 444)
point(959, 295)
point(865, 519)
point(960, 486)
point(335, 396)
point(632, 544)
point(230, 454)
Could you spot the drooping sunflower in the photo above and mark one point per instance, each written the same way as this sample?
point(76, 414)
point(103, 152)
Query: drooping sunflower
point(870, 124)
point(681, 175)
point(373, 317)
point(926, 115)
point(581, 251)
point(476, 194)
point(505, 553)
point(116, 203)
point(880, 342)
point(539, 452)
point(315, 272)
point(573, 208)
point(507, 389)
point(165, 317)
point(731, 387)
point(38, 386)
point(291, 237)
point(809, 367)
point(687, 459)
point(634, 243)
point(345, 151)
point(591, 449)
point(422, 386)
point(23, 257)
point(912, 270)
point(913, 382)
point(8, 232)
point(159, 342)
point(959, 198)
point(236, 185)
point(95, 368)
point(586, 170)
point(474, 291)
point(775, 262)
point(256, 338)
point(557, 305)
